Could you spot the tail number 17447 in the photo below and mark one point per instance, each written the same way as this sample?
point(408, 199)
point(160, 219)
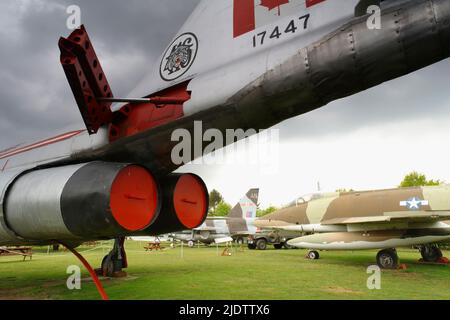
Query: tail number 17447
point(279, 31)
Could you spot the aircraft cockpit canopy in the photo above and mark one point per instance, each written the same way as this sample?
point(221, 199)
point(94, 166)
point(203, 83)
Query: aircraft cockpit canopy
point(309, 197)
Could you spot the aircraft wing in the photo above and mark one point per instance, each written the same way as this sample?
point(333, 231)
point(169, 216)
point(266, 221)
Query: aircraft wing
point(223, 240)
point(241, 233)
point(206, 229)
point(401, 216)
point(388, 221)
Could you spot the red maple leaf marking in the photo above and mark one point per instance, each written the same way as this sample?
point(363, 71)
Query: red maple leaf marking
point(272, 4)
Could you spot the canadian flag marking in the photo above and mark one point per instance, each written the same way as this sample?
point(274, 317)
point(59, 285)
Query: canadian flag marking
point(251, 14)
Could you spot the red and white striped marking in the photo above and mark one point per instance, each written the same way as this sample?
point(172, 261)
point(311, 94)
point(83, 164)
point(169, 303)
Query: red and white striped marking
point(16, 151)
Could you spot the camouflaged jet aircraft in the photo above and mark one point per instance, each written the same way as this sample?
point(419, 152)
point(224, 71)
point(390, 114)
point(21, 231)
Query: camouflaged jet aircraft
point(238, 224)
point(382, 219)
point(235, 64)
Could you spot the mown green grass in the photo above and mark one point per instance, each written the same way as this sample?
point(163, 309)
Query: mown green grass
point(203, 274)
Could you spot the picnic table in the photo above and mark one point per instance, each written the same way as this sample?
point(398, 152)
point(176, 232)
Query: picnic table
point(25, 252)
point(153, 246)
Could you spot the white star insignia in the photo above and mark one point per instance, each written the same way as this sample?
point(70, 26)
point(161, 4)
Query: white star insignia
point(414, 203)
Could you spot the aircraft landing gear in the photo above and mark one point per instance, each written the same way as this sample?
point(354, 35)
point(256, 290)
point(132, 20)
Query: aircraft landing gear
point(387, 259)
point(431, 253)
point(115, 261)
point(313, 255)
point(92, 272)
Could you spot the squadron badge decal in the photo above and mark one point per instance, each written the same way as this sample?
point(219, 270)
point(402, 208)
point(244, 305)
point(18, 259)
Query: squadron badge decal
point(179, 57)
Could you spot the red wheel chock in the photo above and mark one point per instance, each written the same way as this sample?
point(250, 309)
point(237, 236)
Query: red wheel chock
point(444, 260)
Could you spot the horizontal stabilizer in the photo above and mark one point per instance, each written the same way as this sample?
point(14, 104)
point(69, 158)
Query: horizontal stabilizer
point(87, 79)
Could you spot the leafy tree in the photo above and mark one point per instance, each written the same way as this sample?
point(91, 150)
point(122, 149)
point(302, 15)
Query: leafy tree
point(415, 179)
point(222, 209)
point(215, 198)
point(269, 210)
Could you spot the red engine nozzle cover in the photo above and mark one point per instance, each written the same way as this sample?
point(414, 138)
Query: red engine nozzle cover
point(134, 198)
point(184, 205)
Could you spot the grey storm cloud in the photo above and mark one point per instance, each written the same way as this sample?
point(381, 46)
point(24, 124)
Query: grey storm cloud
point(129, 36)
point(35, 98)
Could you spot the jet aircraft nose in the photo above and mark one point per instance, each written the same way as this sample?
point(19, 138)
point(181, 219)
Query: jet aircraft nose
point(294, 242)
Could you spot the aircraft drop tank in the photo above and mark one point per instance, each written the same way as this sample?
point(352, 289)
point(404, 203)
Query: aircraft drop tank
point(363, 241)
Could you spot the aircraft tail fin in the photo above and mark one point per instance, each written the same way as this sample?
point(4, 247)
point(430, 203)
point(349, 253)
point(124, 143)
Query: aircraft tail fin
point(247, 206)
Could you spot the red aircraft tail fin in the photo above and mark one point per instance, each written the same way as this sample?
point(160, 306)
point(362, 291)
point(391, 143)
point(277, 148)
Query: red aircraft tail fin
point(86, 78)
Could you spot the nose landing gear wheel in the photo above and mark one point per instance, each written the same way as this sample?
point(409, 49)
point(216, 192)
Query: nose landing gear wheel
point(313, 255)
point(115, 261)
point(387, 259)
point(431, 253)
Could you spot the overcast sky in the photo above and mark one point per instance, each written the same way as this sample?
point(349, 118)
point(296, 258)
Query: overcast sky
point(370, 140)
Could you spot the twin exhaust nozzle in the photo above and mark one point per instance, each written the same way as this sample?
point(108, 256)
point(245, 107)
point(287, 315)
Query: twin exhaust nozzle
point(100, 200)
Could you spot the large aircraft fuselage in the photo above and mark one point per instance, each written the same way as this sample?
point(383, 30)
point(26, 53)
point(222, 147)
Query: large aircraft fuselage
point(243, 81)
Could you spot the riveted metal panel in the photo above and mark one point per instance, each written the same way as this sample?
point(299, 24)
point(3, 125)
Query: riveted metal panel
point(349, 60)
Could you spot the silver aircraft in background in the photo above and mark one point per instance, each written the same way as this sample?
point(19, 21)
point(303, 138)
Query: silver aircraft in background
point(238, 224)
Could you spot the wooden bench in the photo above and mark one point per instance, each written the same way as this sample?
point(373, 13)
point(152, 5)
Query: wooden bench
point(25, 252)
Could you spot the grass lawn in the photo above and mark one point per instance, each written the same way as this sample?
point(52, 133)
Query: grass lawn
point(202, 274)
